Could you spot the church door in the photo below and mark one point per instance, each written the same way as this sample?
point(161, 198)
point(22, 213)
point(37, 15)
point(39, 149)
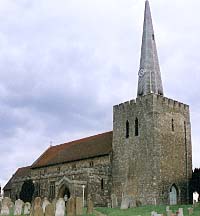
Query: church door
point(173, 195)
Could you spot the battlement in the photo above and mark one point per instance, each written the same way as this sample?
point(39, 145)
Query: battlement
point(170, 103)
point(155, 100)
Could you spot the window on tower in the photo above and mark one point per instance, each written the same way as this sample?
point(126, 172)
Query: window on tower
point(136, 127)
point(127, 129)
point(172, 124)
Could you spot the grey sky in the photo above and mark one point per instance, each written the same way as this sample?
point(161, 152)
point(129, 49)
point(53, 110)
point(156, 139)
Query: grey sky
point(65, 63)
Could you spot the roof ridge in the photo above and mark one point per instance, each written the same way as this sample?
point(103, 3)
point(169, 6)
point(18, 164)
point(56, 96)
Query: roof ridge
point(82, 139)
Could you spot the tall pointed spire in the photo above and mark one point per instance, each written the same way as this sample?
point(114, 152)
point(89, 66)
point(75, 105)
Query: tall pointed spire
point(149, 80)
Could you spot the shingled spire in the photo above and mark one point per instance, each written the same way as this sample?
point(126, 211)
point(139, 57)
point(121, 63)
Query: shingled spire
point(149, 80)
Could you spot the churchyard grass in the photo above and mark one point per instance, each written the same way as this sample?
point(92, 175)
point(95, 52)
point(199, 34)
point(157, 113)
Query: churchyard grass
point(146, 210)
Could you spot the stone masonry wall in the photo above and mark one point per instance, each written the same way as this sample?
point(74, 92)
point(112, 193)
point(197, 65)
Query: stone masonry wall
point(90, 172)
point(145, 166)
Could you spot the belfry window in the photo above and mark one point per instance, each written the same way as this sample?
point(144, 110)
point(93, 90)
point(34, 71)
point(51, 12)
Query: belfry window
point(127, 129)
point(102, 184)
point(172, 124)
point(136, 127)
point(153, 37)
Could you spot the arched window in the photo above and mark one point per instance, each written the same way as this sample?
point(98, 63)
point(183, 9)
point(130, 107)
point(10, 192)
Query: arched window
point(136, 127)
point(172, 124)
point(127, 129)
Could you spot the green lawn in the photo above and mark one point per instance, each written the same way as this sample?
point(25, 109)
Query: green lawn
point(146, 210)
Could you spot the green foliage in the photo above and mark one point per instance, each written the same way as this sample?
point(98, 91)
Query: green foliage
point(27, 191)
point(195, 181)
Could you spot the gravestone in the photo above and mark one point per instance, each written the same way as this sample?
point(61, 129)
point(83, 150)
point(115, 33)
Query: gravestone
point(4, 209)
point(79, 206)
point(18, 207)
point(167, 208)
point(180, 212)
point(190, 211)
point(60, 207)
point(90, 206)
point(27, 208)
point(37, 210)
point(153, 213)
point(125, 204)
point(37, 201)
point(169, 212)
point(54, 204)
point(49, 210)
point(71, 206)
point(114, 202)
point(44, 204)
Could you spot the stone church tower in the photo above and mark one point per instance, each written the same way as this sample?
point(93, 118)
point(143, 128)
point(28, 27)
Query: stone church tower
point(152, 155)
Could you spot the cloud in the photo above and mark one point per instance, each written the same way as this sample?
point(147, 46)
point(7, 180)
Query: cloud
point(64, 64)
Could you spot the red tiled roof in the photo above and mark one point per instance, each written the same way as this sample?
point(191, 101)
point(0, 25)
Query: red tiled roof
point(89, 147)
point(21, 172)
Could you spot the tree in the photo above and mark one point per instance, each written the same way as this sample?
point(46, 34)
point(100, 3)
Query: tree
point(27, 191)
point(195, 181)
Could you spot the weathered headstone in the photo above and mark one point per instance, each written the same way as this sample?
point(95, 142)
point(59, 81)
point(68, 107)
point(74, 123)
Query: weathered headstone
point(71, 206)
point(167, 208)
point(37, 201)
point(153, 213)
point(180, 212)
point(114, 202)
point(54, 204)
point(18, 207)
point(125, 204)
point(37, 210)
point(190, 211)
point(90, 206)
point(44, 204)
point(27, 208)
point(169, 212)
point(49, 210)
point(60, 207)
point(4, 209)
point(79, 206)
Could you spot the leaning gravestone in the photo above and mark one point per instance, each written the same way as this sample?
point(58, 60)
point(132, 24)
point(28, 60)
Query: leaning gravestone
point(60, 207)
point(71, 207)
point(79, 206)
point(18, 207)
point(114, 202)
point(44, 204)
point(125, 204)
point(49, 210)
point(27, 208)
point(90, 206)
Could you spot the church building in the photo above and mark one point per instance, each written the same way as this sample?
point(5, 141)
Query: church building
point(147, 156)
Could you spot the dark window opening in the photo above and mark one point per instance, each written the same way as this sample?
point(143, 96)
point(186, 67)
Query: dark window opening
point(52, 190)
point(102, 184)
point(136, 127)
point(91, 163)
point(153, 37)
point(127, 129)
point(58, 169)
point(172, 124)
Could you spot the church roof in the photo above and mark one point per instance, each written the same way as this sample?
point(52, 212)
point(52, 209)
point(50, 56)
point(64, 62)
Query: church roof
point(149, 80)
point(89, 147)
point(21, 172)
